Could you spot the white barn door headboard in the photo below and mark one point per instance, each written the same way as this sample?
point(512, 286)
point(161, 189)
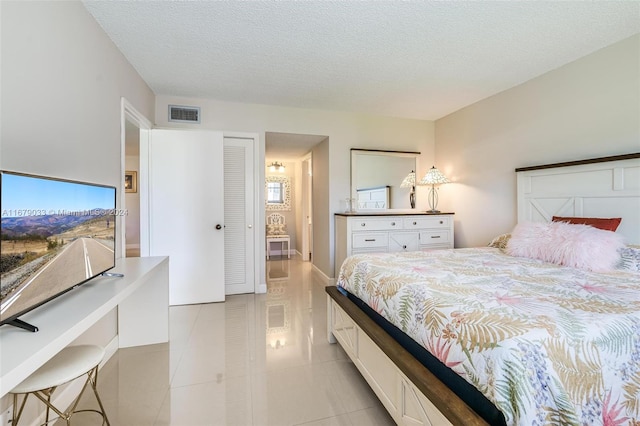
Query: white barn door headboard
point(601, 187)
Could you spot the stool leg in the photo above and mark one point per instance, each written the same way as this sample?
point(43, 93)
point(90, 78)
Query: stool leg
point(17, 411)
point(92, 380)
point(47, 402)
point(94, 386)
point(46, 416)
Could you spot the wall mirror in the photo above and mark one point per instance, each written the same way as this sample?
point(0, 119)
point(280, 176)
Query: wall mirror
point(378, 174)
point(277, 193)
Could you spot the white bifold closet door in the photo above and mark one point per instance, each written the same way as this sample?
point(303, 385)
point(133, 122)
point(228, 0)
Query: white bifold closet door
point(186, 198)
point(239, 233)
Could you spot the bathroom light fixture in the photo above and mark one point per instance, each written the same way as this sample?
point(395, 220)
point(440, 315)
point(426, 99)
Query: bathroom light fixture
point(276, 167)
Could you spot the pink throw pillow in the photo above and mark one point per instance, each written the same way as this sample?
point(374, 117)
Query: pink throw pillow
point(577, 246)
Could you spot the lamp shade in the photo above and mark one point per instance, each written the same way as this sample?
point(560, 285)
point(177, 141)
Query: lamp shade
point(434, 177)
point(409, 181)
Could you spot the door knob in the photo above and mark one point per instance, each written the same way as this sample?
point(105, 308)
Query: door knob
point(218, 227)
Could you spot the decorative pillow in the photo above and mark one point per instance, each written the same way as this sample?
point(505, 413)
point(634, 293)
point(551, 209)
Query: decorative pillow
point(608, 224)
point(578, 246)
point(630, 259)
point(500, 241)
point(276, 229)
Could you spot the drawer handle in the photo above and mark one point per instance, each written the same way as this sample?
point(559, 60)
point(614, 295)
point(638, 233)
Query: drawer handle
point(393, 224)
point(363, 224)
point(369, 239)
point(441, 222)
point(435, 236)
point(404, 247)
point(415, 223)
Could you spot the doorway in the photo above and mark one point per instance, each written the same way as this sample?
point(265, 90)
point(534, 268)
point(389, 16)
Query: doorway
point(135, 129)
point(295, 151)
point(132, 195)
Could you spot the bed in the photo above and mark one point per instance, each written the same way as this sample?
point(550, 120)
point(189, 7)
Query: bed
point(543, 343)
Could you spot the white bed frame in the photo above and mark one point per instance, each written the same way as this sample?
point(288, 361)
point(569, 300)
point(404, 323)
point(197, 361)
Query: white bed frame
point(602, 187)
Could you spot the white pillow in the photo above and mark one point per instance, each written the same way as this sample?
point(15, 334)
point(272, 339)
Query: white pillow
point(578, 246)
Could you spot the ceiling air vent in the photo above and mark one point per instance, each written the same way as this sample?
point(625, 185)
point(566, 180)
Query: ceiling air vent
point(184, 114)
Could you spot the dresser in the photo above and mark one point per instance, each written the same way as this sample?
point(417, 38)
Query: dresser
point(390, 231)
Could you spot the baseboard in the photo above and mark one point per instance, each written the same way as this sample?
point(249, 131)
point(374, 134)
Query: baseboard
point(291, 252)
point(65, 396)
point(325, 279)
point(110, 350)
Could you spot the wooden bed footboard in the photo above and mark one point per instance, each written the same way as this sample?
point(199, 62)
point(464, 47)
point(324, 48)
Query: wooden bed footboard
point(409, 391)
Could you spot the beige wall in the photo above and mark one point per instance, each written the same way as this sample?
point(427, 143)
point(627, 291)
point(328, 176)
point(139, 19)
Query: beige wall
point(345, 131)
point(320, 200)
point(61, 83)
point(587, 108)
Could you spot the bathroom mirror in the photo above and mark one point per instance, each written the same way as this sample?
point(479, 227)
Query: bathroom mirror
point(378, 174)
point(277, 193)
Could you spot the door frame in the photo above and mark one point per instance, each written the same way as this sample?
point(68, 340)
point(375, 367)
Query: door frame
point(307, 206)
point(129, 113)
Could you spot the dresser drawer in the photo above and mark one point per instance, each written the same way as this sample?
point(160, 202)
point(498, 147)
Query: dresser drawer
point(370, 240)
point(377, 224)
point(435, 237)
point(427, 222)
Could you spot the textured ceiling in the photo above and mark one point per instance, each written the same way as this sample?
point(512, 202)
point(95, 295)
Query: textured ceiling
point(397, 58)
point(289, 146)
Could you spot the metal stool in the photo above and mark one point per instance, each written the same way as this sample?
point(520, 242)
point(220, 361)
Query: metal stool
point(69, 364)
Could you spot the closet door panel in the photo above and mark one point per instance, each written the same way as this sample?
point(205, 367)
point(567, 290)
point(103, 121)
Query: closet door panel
point(238, 215)
point(187, 212)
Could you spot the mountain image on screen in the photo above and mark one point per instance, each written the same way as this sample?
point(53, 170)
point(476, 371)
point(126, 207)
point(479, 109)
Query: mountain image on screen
point(44, 255)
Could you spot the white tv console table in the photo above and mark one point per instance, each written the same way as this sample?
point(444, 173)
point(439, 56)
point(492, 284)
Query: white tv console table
point(142, 299)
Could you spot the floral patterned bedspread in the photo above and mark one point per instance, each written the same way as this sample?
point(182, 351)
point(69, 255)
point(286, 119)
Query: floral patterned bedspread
point(546, 344)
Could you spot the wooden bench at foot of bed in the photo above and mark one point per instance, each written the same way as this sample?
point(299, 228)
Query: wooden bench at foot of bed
point(411, 394)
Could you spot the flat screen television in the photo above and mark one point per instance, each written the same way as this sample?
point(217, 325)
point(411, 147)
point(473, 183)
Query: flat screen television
point(55, 234)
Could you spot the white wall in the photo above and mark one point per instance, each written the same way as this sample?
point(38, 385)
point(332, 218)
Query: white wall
point(587, 108)
point(61, 83)
point(345, 131)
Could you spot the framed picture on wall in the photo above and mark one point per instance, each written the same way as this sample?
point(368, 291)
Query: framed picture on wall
point(130, 181)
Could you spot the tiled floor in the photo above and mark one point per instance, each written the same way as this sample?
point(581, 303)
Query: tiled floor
point(254, 360)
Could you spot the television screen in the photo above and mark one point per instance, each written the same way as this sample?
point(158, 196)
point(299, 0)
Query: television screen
point(55, 234)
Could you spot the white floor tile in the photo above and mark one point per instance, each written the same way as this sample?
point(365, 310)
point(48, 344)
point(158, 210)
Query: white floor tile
point(256, 359)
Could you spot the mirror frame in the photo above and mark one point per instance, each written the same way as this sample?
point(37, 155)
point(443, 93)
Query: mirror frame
point(286, 186)
point(355, 152)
